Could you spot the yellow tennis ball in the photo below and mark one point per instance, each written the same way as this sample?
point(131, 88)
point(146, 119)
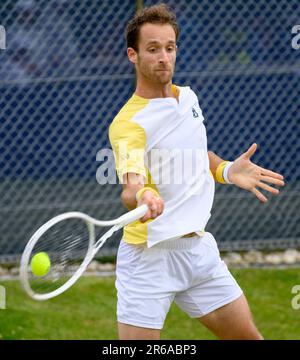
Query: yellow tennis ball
point(40, 264)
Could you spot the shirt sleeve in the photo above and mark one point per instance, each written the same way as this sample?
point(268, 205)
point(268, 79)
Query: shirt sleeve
point(128, 141)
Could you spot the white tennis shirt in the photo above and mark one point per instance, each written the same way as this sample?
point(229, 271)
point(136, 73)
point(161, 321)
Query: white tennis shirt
point(165, 140)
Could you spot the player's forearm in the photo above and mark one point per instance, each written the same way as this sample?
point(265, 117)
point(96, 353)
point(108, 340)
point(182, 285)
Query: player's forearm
point(131, 196)
point(132, 184)
point(214, 161)
point(128, 198)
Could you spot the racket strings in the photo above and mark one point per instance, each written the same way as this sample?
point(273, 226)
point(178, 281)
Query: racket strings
point(66, 244)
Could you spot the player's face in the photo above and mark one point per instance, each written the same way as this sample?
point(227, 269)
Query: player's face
point(156, 54)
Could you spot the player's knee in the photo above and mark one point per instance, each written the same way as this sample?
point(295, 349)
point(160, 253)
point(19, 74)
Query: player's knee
point(130, 332)
point(254, 334)
point(247, 332)
point(241, 334)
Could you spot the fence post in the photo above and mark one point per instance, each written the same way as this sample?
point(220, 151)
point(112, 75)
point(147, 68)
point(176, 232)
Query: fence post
point(139, 5)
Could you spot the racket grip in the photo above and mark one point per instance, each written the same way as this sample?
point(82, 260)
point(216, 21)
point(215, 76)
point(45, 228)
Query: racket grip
point(133, 215)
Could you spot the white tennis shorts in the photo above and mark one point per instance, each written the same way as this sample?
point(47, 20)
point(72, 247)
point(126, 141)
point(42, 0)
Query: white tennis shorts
point(188, 271)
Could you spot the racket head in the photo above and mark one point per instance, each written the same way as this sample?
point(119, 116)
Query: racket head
point(67, 241)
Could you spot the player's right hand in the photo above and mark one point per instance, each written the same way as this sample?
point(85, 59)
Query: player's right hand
point(154, 203)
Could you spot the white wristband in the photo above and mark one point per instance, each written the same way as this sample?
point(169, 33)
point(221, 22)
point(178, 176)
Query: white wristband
point(225, 172)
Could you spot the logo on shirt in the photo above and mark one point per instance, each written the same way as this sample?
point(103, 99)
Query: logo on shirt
point(195, 114)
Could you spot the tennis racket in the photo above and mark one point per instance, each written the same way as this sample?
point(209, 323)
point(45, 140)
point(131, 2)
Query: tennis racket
point(69, 243)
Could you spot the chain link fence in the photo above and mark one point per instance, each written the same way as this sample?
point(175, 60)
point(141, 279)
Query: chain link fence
point(64, 75)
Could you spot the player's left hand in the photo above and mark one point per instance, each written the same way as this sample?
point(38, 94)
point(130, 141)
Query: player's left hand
point(249, 176)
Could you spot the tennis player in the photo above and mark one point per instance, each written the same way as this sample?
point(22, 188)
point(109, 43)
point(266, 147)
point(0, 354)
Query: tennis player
point(167, 255)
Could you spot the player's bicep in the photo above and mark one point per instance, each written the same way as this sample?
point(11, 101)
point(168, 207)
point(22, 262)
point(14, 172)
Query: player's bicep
point(128, 141)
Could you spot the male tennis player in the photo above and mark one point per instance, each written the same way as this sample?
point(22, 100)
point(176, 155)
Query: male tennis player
point(167, 255)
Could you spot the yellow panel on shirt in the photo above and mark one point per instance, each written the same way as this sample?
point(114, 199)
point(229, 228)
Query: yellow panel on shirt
point(128, 140)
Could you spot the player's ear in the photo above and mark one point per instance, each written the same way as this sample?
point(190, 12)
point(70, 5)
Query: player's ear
point(132, 55)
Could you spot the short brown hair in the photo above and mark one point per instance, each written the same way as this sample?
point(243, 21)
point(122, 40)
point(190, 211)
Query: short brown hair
point(157, 14)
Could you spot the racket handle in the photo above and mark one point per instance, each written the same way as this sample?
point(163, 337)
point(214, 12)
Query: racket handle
point(133, 215)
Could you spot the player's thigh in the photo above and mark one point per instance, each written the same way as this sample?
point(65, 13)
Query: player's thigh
point(232, 321)
point(130, 332)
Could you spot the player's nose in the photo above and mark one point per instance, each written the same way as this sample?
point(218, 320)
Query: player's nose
point(163, 58)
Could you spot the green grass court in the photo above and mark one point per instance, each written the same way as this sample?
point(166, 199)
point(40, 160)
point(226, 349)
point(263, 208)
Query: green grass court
point(87, 311)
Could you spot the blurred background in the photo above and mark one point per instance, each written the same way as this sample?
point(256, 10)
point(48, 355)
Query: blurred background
point(64, 75)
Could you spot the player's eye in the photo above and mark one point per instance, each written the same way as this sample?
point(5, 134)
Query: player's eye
point(151, 50)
